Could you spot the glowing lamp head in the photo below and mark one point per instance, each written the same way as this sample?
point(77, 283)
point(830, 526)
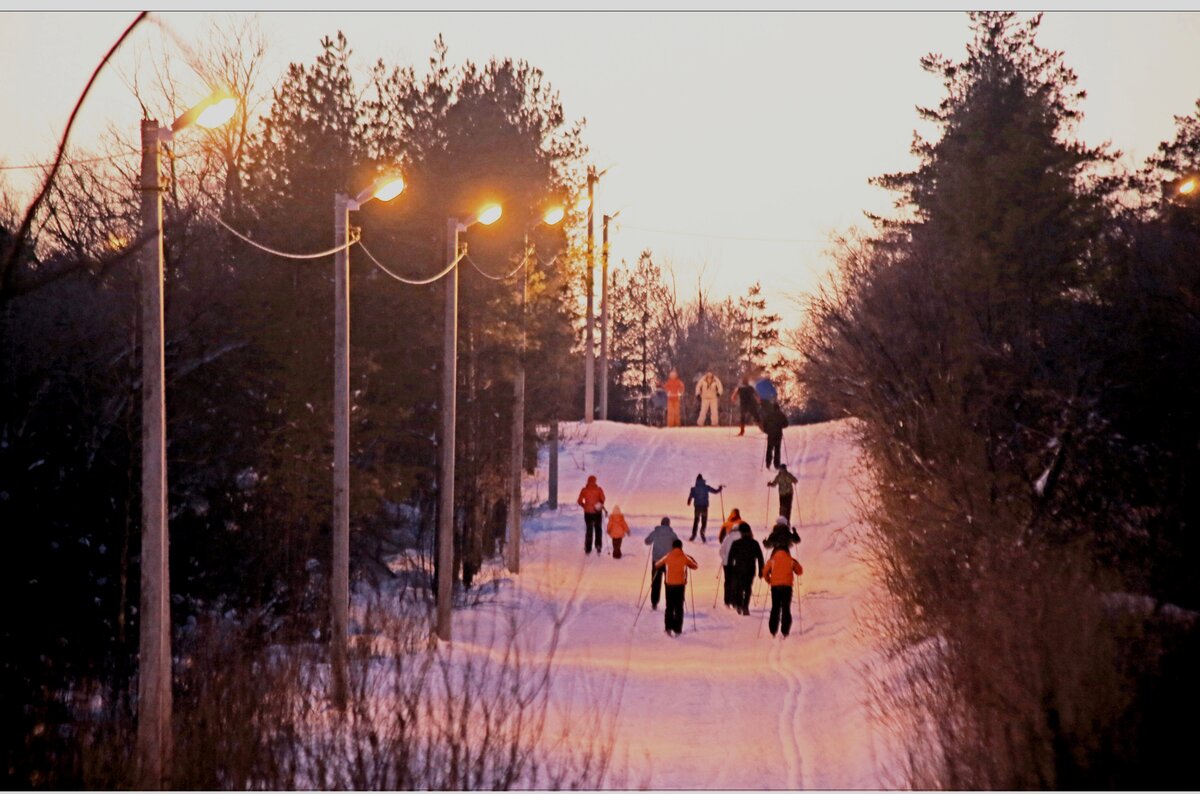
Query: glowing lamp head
point(490, 214)
point(1188, 187)
point(553, 216)
point(217, 113)
point(389, 188)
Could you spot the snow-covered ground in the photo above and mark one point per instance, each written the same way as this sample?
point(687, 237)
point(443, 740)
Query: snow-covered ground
point(724, 706)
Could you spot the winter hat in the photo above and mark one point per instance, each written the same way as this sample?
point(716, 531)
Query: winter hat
point(591, 479)
point(616, 508)
point(781, 520)
point(666, 522)
point(744, 528)
point(783, 467)
point(677, 544)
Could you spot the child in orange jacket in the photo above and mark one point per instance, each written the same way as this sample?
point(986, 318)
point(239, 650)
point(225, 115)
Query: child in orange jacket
point(675, 564)
point(779, 572)
point(617, 529)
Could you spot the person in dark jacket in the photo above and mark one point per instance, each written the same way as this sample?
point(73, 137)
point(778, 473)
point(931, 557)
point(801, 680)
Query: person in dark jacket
point(747, 400)
point(773, 423)
point(660, 540)
point(745, 563)
point(782, 536)
point(699, 496)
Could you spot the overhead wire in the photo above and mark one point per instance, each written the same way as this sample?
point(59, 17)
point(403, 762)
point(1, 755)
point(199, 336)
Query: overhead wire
point(276, 252)
point(506, 276)
point(82, 161)
point(402, 279)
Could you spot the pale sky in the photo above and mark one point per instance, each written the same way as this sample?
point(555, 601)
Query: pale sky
point(738, 141)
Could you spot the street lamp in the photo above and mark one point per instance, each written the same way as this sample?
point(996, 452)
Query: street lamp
point(1187, 187)
point(604, 318)
point(385, 189)
point(445, 537)
point(154, 632)
point(512, 548)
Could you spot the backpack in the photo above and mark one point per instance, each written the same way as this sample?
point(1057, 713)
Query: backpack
point(766, 390)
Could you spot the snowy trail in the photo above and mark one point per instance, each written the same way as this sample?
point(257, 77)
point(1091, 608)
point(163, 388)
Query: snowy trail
point(722, 706)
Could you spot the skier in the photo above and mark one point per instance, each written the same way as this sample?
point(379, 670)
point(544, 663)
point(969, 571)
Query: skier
point(730, 525)
point(699, 495)
point(660, 540)
point(591, 499)
point(782, 536)
point(676, 563)
point(617, 530)
point(674, 389)
point(745, 562)
point(786, 482)
point(658, 407)
point(709, 391)
point(780, 572)
point(747, 400)
point(729, 534)
point(773, 423)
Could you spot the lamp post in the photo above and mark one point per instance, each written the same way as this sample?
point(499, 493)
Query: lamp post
point(589, 385)
point(154, 615)
point(385, 189)
point(512, 546)
point(445, 535)
point(604, 318)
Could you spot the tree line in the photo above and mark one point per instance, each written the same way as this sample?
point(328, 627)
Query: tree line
point(249, 361)
point(249, 351)
point(1017, 346)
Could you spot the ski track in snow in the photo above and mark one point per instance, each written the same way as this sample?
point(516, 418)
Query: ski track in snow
point(719, 706)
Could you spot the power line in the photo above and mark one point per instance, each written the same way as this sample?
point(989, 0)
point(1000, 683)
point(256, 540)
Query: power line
point(82, 161)
point(276, 252)
point(485, 274)
point(402, 279)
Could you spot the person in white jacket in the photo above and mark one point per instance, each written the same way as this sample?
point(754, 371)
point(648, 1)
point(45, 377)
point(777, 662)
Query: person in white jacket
point(709, 390)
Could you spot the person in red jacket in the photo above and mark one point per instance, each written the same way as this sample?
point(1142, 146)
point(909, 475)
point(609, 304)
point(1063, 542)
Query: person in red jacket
point(675, 563)
point(591, 499)
point(780, 572)
point(618, 529)
point(674, 389)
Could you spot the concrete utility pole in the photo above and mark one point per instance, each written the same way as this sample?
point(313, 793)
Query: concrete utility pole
point(552, 485)
point(445, 549)
point(512, 546)
point(154, 640)
point(589, 377)
point(340, 568)
point(604, 318)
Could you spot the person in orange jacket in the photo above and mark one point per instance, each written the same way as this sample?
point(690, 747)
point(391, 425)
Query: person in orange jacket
point(675, 563)
point(617, 529)
point(780, 572)
point(730, 525)
point(591, 499)
point(674, 389)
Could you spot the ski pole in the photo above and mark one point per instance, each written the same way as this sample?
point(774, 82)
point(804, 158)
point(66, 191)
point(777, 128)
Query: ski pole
point(693, 594)
point(718, 590)
point(641, 606)
point(799, 613)
point(763, 615)
point(649, 553)
point(721, 493)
